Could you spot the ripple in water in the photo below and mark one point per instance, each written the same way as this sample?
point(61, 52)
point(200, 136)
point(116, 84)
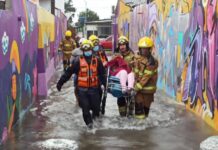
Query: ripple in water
point(57, 144)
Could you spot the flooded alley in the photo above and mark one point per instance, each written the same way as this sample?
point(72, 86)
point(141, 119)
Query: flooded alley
point(56, 123)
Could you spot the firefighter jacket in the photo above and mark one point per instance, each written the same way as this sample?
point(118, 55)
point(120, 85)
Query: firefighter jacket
point(89, 70)
point(128, 57)
point(146, 74)
point(67, 46)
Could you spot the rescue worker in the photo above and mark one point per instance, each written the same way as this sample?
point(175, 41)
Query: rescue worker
point(89, 70)
point(145, 69)
point(66, 46)
point(77, 52)
point(128, 56)
point(99, 51)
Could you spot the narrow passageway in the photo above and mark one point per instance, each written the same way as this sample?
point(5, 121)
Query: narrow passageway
point(56, 123)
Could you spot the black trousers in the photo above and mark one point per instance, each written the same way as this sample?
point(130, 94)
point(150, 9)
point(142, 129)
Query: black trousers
point(89, 100)
point(124, 108)
point(121, 102)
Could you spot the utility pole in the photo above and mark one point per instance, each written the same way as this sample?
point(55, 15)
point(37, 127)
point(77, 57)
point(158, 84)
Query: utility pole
point(84, 30)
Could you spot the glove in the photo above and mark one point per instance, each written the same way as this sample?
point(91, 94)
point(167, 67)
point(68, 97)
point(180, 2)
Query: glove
point(102, 87)
point(58, 86)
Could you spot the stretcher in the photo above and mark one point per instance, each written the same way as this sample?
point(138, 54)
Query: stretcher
point(114, 87)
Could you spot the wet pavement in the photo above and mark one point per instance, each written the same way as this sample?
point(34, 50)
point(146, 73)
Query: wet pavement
point(56, 123)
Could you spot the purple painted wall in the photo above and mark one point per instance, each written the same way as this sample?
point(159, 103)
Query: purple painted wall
point(18, 61)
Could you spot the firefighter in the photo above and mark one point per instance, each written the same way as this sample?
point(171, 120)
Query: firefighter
point(145, 69)
point(128, 56)
point(99, 51)
point(89, 70)
point(66, 46)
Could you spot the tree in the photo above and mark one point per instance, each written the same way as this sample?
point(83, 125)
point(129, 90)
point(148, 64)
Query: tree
point(88, 15)
point(69, 9)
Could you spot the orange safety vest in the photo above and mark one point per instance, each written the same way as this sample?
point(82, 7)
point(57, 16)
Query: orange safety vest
point(102, 57)
point(88, 73)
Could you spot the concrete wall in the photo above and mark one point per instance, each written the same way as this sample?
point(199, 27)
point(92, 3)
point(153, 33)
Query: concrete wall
point(186, 45)
point(25, 39)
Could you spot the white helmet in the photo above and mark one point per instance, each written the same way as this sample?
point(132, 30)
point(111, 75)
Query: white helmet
point(81, 40)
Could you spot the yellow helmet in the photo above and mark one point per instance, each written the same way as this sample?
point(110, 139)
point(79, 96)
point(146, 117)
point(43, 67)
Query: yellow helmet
point(86, 45)
point(94, 39)
point(145, 42)
point(123, 40)
point(68, 33)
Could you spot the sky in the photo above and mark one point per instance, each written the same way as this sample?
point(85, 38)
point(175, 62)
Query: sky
point(59, 4)
point(102, 7)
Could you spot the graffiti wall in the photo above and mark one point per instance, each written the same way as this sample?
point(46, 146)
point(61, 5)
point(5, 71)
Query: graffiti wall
point(123, 19)
point(46, 23)
point(186, 45)
point(24, 36)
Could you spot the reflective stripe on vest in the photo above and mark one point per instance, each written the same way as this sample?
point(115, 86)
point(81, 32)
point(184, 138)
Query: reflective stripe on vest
point(67, 52)
point(88, 73)
point(149, 72)
point(149, 88)
point(136, 70)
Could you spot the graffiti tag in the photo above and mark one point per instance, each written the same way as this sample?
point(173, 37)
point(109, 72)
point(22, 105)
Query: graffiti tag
point(31, 22)
point(5, 43)
point(27, 84)
point(22, 32)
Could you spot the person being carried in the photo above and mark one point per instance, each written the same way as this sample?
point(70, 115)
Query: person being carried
point(128, 56)
point(120, 69)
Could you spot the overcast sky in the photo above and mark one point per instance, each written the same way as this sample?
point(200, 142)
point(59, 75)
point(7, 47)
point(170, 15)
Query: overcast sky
point(101, 7)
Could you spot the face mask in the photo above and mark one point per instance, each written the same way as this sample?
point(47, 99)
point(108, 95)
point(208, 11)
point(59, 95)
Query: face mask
point(88, 53)
point(96, 48)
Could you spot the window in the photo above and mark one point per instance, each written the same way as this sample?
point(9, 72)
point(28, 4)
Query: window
point(2, 4)
point(5, 4)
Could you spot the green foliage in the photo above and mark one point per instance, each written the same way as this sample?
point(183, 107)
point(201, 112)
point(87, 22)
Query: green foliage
point(86, 16)
point(69, 9)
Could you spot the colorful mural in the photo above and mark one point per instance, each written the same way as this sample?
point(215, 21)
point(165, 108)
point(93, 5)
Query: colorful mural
point(46, 23)
point(23, 38)
point(123, 20)
point(186, 36)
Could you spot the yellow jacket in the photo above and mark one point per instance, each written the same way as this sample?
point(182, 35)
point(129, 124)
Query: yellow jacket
point(67, 46)
point(146, 74)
